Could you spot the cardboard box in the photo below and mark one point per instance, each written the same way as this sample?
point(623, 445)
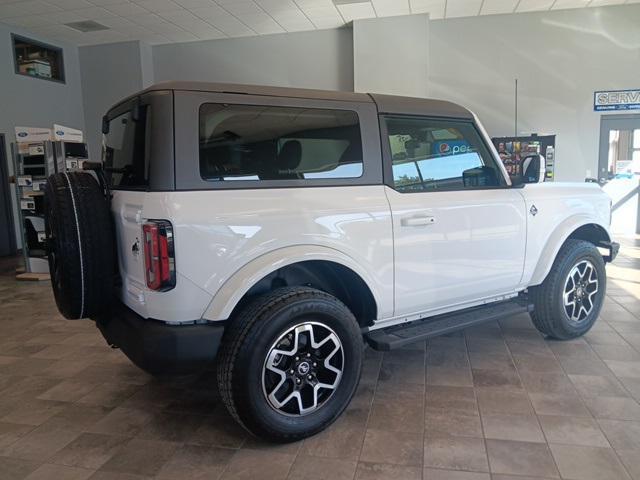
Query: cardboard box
point(36, 68)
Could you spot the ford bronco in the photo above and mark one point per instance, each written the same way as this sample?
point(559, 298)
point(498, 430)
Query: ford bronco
point(275, 229)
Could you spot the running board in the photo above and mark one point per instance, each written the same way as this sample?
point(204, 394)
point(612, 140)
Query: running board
point(400, 335)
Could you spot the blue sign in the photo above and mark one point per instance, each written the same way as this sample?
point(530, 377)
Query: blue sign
point(616, 100)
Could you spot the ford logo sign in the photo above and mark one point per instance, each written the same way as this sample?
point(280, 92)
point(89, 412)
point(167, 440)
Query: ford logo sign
point(22, 134)
point(59, 132)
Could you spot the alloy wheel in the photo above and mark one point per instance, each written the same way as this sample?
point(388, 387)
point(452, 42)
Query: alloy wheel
point(303, 369)
point(580, 290)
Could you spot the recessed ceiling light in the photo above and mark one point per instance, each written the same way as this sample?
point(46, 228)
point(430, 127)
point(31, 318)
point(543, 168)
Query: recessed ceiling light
point(87, 26)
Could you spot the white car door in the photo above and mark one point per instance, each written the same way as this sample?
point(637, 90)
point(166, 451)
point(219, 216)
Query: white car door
point(459, 229)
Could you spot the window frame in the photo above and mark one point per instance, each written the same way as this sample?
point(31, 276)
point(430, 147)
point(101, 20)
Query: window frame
point(59, 50)
point(187, 136)
point(388, 160)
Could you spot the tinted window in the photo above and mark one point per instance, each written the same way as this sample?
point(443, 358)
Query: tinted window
point(245, 142)
point(125, 159)
point(439, 155)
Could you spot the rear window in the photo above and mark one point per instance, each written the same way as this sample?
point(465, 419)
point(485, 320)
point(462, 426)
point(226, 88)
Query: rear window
point(124, 153)
point(247, 142)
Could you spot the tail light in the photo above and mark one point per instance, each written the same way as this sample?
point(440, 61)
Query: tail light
point(159, 256)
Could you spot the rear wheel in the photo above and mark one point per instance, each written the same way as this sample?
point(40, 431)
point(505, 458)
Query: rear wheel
point(290, 363)
point(568, 302)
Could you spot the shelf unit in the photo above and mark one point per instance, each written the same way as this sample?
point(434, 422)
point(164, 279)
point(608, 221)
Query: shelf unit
point(33, 163)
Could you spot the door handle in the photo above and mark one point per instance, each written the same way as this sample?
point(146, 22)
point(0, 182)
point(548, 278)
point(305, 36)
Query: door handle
point(417, 221)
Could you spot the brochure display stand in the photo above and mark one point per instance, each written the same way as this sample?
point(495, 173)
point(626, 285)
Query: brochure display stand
point(35, 157)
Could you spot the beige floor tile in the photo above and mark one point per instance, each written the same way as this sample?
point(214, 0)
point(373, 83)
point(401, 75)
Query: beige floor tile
point(523, 428)
point(455, 453)
point(573, 431)
point(140, 457)
point(521, 458)
point(382, 471)
point(316, 468)
point(400, 448)
point(252, 464)
point(588, 463)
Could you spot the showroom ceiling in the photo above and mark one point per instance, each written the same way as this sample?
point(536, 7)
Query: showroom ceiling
point(84, 22)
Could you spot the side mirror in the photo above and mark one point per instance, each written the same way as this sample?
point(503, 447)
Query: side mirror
point(533, 169)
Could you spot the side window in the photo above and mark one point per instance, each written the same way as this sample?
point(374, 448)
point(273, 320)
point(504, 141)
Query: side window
point(124, 151)
point(249, 142)
point(431, 154)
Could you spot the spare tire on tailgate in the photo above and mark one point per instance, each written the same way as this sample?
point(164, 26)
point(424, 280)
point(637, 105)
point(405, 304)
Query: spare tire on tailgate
point(80, 244)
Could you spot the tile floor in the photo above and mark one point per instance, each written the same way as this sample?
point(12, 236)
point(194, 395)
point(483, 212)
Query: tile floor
point(493, 402)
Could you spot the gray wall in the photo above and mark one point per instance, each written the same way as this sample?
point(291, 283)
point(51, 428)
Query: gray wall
point(318, 59)
point(385, 59)
point(560, 58)
point(110, 73)
point(27, 101)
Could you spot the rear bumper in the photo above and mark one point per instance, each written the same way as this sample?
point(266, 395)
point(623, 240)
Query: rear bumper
point(158, 347)
point(613, 248)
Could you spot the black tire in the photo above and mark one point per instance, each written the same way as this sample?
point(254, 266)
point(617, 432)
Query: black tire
point(80, 245)
point(550, 315)
point(249, 338)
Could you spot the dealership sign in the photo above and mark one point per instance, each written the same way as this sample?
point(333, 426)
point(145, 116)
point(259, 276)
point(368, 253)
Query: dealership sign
point(617, 100)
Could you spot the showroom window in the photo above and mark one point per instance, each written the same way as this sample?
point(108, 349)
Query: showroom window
point(250, 142)
point(36, 59)
point(430, 154)
point(124, 151)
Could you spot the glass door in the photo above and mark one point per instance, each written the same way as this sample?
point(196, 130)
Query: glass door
point(619, 169)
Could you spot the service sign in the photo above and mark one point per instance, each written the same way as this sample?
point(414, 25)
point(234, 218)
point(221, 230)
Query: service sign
point(616, 100)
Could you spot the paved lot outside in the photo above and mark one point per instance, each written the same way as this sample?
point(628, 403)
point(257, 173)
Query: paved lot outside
point(493, 402)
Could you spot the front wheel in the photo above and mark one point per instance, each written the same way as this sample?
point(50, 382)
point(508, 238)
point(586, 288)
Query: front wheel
point(290, 363)
point(568, 302)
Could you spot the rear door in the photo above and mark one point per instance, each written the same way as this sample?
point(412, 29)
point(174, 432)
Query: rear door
point(459, 229)
point(138, 158)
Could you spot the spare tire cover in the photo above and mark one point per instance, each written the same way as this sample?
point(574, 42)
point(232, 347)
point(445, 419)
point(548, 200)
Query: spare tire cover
point(80, 244)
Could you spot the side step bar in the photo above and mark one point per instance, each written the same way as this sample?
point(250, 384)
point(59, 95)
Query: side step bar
point(400, 335)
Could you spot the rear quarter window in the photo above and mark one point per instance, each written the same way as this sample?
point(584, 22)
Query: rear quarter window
point(124, 150)
point(254, 143)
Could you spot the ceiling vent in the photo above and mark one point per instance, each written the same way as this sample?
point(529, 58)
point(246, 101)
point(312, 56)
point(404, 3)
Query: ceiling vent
point(349, 2)
point(87, 26)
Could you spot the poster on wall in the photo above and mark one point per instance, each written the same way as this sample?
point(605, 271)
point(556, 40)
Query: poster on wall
point(513, 151)
point(616, 100)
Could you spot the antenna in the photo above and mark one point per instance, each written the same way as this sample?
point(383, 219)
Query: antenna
point(516, 104)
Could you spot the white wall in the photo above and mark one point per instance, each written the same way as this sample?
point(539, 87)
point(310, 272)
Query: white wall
point(110, 73)
point(560, 58)
point(391, 55)
point(27, 101)
point(317, 59)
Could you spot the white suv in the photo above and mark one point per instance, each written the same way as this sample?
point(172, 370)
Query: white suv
point(274, 229)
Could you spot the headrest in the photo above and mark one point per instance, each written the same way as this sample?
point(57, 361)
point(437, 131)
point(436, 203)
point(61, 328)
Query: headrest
point(290, 155)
